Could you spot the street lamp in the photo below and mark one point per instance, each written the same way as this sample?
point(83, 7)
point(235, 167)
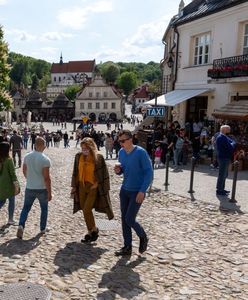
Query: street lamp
point(170, 61)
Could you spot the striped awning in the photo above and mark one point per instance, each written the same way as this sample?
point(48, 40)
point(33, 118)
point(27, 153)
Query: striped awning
point(236, 110)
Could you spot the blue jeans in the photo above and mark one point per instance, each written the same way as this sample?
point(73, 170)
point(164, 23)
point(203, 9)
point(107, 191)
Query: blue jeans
point(30, 196)
point(11, 206)
point(223, 173)
point(129, 211)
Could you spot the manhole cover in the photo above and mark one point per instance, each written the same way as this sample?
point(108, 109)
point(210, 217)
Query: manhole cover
point(24, 291)
point(107, 224)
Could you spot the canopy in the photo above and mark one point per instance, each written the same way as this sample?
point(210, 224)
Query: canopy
point(236, 110)
point(177, 96)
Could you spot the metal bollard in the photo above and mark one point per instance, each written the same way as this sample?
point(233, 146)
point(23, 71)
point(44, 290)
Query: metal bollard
point(235, 176)
point(193, 162)
point(167, 162)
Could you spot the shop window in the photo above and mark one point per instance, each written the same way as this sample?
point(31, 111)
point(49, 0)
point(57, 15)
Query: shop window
point(245, 47)
point(201, 49)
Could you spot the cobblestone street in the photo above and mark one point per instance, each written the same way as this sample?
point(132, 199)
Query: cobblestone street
point(195, 250)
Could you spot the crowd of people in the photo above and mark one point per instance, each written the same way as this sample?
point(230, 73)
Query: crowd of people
point(90, 184)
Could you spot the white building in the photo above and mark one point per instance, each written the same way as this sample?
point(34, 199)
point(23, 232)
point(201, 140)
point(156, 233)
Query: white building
point(205, 40)
point(99, 101)
point(67, 74)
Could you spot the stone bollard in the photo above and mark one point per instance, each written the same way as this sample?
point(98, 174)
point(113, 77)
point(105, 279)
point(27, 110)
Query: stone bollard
point(193, 162)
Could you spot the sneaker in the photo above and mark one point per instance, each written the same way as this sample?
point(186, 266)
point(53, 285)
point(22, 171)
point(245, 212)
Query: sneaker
point(11, 222)
point(227, 192)
point(233, 201)
point(221, 193)
point(126, 250)
point(19, 233)
point(44, 231)
point(143, 244)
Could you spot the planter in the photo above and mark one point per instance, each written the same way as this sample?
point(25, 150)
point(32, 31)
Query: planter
point(225, 74)
point(239, 73)
point(213, 74)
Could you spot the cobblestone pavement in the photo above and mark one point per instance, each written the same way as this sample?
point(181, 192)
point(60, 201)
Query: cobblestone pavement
point(195, 250)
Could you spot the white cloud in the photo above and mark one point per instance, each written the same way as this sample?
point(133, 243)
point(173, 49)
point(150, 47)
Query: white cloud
point(77, 17)
point(21, 35)
point(3, 2)
point(149, 34)
point(55, 36)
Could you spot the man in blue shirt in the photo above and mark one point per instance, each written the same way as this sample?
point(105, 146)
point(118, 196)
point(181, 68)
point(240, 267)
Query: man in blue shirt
point(225, 148)
point(136, 167)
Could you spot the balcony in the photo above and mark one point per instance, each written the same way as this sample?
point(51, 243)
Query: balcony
point(229, 67)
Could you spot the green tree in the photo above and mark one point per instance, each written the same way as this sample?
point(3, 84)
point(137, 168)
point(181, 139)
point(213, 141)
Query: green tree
point(5, 99)
point(110, 72)
point(35, 82)
point(127, 81)
point(71, 91)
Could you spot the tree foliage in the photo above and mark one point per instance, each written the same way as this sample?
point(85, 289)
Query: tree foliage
point(110, 71)
point(5, 99)
point(25, 69)
point(71, 91)
point(127, 82)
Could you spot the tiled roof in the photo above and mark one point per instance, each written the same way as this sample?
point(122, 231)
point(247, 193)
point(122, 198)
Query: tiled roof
point(200, 8)
point(74, 67)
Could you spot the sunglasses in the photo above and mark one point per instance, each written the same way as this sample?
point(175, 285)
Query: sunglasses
point(123, 141)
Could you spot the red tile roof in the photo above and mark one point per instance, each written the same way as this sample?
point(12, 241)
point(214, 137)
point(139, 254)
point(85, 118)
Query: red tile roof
point(74, 66)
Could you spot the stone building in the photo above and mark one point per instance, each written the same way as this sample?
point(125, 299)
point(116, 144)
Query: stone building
point(67, 74)
point(205, 63)
point(100, 102)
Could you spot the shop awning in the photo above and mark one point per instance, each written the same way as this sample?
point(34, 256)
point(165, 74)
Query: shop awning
point(237, 110)
point(177, 96)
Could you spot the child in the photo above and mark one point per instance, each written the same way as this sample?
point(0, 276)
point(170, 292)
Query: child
point(157, 154)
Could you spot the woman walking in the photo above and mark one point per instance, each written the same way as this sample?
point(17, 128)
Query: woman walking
point(8, 181)
point(90, 186)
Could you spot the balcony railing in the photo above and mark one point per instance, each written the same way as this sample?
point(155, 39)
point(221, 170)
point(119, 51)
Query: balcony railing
point(228, 67)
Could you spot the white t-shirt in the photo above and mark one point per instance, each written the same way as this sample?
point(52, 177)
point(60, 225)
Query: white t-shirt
point(35, 162)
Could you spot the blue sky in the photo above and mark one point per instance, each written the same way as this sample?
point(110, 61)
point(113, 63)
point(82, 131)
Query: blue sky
point(116, 30)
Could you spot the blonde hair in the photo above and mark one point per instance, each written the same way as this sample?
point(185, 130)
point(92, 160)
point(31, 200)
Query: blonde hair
point(91, 145)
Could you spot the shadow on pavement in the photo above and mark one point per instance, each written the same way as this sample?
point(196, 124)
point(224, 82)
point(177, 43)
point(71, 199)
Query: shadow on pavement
point(76, 256)
point(122, 280)
point(228, 207)
point(19, 247)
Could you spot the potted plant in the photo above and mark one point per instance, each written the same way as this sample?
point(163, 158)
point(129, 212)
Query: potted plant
point(240, 70)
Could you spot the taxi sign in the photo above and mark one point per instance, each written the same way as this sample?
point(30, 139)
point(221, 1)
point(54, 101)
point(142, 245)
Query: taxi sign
point(155, 111)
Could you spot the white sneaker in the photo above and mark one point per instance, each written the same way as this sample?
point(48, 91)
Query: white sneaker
point(11, 222)
point(20, 232)
point(44, 231)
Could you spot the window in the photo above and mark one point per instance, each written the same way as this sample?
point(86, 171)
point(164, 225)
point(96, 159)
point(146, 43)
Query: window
point(105, 105)
point(113, 105)
point(89, 105)
point(97, 105)
point(245, 48)
point(97, 94)
point(81, 105)
point(201, 51)
point(90, 94)
point(105, 94)
point(54, 79)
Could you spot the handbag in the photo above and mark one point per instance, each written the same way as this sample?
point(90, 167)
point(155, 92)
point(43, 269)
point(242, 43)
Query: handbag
point(17, 188)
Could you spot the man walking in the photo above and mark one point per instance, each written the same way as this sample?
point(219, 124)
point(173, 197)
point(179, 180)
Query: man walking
point(225, 148)
point(36, 167)
point(136, 167)
point(16, 145)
